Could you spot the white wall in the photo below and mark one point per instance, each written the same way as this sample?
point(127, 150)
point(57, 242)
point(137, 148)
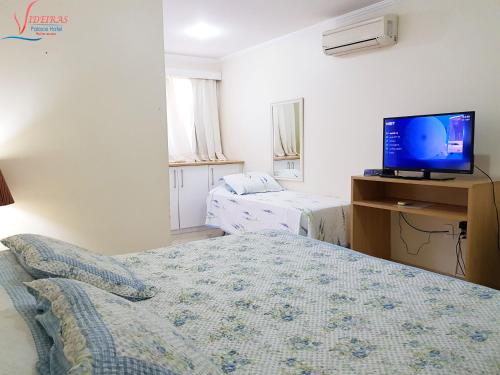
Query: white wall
point(83, 141)
point(447, 59)
point(193, 67)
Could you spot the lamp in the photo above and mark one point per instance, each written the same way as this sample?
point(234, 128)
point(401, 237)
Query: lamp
point(5, 195)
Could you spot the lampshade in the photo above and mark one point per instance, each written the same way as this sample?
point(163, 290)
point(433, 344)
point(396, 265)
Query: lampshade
point(5, 195)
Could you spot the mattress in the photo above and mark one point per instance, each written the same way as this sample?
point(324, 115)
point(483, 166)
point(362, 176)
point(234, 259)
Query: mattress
point(320, 217)
point(277, 303)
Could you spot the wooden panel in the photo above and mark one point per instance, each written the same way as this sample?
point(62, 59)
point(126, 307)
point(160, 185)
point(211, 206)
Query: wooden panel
point(461, 182)
point(367, 190)
point(277, 158)
point(371, 231)
point(199, 163)
point(483, 255)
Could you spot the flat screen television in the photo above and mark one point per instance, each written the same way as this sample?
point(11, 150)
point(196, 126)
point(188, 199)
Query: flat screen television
point(430, 143)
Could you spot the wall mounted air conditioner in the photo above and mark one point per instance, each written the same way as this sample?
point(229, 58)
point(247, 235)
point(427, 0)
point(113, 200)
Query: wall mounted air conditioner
point(373, 33)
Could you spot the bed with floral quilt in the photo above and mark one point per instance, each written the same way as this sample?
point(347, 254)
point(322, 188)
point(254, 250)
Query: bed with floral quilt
point(277, 303)
point(315, 216)
point(272, 302)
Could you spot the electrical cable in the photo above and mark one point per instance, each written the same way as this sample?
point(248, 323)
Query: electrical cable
point(429, 232)
point(421, 230)
point(461, 256)
point(458, 247)
point(458, 252)
point(494, 203)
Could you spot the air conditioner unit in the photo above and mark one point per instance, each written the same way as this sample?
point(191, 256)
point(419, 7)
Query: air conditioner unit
point(373, 33)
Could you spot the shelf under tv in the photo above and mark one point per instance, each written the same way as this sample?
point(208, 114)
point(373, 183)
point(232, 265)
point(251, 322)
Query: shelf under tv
point(444, 211)
point(374, 199)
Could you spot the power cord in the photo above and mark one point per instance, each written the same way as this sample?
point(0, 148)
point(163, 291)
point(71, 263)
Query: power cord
point(429, 232)
point(460, 258)
point(494, 203)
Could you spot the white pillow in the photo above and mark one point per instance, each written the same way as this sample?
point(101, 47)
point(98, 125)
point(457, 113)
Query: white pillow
point(252, 182)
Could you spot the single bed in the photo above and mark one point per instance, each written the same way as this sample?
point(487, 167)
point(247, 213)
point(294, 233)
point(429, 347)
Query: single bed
point(276, 303)
point(319, 217)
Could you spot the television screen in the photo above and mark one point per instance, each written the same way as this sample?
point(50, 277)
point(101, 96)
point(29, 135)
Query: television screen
point(438, 143)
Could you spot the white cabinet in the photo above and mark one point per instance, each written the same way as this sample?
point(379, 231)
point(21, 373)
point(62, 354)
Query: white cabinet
point(174, 198)
point(193, 191)
point(216, 172)
point(286, 164)
point(188, 192)
point(189, 187)
point(281, 164)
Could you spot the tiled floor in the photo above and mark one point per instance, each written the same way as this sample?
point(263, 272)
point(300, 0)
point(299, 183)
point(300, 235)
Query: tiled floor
point(194, 234)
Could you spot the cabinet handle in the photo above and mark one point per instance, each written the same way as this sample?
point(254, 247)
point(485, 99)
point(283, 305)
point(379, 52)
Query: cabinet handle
point(175, 179)
point(213, 182)
point(182, 178)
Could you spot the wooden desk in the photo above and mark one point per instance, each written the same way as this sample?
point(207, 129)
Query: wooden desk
point(375, 198)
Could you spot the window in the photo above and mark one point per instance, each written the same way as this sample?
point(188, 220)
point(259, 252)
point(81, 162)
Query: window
point(193, 120)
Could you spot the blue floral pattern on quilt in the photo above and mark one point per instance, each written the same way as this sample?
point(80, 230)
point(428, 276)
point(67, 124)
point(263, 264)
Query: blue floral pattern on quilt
point(97, 333)
point(46, 257)
point(277, 303)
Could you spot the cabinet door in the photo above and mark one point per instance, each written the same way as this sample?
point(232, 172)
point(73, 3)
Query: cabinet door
point(281, 164)
point(174, 198)
point(216, 172)
point(193, 192)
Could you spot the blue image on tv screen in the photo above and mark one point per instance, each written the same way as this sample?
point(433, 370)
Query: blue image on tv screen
point(438, 142)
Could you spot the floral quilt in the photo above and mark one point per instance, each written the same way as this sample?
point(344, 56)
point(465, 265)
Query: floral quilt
point(277, 303)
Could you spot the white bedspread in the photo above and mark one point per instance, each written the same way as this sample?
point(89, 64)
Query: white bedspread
point(319, 217)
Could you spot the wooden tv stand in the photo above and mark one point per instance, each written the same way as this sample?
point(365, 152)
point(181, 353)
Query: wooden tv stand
point(471, 200)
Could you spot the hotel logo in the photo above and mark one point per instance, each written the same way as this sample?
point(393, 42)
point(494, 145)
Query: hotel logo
point(33, 28)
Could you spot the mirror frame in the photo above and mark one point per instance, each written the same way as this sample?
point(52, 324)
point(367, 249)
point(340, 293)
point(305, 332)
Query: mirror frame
point(301, 126)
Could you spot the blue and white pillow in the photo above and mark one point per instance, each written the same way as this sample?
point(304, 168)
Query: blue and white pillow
point(252, 182)
point(97, 333)
point(46, 257)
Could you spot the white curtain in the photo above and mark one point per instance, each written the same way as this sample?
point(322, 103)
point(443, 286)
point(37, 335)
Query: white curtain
point(181, 134)
point(193, 120)
point(285, 134)
point(206, 119)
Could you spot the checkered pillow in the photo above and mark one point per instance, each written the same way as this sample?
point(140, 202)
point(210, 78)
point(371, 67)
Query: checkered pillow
point(97, 333)
point(45, 257)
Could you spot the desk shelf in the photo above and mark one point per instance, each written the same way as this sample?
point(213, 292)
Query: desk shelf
point(443, 211)
point(470, 200)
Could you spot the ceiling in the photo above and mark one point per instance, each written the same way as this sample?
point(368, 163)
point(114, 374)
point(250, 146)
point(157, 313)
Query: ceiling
point(240, 24)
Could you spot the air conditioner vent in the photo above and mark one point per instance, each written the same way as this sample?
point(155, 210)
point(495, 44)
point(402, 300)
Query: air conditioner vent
point(372, 33)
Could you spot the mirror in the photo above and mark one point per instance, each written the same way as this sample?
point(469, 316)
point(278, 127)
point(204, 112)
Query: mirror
point(288, 139)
